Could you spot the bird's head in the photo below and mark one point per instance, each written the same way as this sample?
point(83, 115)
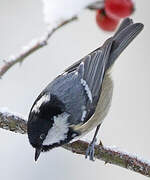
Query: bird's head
point(47, 125)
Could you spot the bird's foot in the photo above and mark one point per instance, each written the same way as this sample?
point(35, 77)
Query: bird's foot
point(91, 150)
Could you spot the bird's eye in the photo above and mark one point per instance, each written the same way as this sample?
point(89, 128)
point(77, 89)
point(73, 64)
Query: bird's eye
point(42, 136)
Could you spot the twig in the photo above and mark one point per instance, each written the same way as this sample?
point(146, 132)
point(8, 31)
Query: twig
point(113, 156)
point(30, 48)
point(97, 5)
point(14, 123)
point(34, 45)
point(10, 121)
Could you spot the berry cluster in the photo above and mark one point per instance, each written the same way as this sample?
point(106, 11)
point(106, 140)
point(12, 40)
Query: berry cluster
point(108, 17)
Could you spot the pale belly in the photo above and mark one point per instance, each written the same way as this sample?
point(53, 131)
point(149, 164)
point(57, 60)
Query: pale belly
point(101, 110)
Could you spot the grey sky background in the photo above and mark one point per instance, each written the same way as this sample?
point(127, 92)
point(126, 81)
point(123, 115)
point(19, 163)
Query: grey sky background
point(127, 124)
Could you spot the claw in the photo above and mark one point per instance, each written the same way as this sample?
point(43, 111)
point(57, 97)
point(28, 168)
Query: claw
point(91, 150)
point(100, 143)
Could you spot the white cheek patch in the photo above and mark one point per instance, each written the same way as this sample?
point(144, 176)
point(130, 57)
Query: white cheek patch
point(59, 130)
point(44, 99)
point(86, 87)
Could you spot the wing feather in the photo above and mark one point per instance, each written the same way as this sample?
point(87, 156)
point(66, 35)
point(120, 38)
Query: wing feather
point(92, 68)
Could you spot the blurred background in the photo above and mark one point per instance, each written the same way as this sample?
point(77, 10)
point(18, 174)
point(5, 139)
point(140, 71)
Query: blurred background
point(127, 124)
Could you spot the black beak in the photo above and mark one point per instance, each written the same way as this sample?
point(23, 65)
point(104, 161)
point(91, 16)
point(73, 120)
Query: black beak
point(37, 153)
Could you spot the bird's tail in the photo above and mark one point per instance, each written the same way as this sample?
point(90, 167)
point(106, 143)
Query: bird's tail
point(122, 38)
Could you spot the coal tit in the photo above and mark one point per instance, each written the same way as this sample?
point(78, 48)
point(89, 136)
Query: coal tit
point(78, 100)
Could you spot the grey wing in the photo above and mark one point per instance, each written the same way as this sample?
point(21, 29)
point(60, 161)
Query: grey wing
point(80, 87)
point(91, 71)
point(126, 22)
point(93, 67)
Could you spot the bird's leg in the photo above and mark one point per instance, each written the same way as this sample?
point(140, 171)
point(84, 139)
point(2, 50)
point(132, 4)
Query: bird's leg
point(91, 148)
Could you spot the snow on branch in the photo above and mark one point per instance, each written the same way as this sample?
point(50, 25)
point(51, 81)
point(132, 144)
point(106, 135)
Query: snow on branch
point(12, 122)
point(113, 156)
point(33, 46)
point(57, 11)
point(36, 44)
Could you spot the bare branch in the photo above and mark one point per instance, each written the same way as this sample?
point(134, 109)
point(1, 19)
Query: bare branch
point(12, 122)
point(33, 46)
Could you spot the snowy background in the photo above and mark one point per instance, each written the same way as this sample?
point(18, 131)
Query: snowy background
point(126, 126)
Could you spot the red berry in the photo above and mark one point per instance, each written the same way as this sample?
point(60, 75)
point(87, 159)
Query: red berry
point(104, 22)
point(119, 8)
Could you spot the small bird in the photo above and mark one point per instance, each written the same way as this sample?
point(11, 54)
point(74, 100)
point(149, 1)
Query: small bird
point(78, 100)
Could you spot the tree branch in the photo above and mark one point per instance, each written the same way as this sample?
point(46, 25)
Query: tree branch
point(15, 123)
point(33, 46)
point(12, 122)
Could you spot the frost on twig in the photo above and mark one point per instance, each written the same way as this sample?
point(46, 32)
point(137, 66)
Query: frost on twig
point(33, 46)
point(113, 156)
point(56, 19)
point(58, 11)
point(11, 121)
